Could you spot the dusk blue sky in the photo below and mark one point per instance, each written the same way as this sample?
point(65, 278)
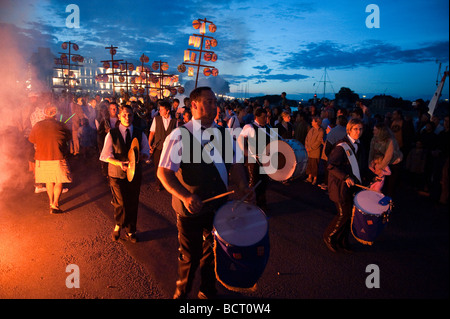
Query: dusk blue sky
point(264, 47)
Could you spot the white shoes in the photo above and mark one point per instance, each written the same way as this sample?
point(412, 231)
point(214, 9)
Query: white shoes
point(41, 189)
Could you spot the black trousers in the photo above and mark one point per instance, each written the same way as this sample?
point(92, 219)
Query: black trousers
point(156, 157)
point(254, 176)
point(196, 249)
point(125, 200)
point(338, 231)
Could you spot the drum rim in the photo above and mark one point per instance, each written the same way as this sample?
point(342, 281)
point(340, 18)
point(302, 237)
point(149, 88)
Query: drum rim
point(371, 214)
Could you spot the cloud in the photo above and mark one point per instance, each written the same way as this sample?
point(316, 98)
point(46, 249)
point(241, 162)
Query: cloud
point(262, 78)
point(286, 77)
point(367, 54)
point(263, 69)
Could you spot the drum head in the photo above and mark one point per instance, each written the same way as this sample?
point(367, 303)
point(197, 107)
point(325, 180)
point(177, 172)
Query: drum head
point(240, 224)
point(284, 160)
point(367, 201)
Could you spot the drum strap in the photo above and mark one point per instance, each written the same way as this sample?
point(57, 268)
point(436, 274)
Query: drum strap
point(352, 159)
point(220, 165)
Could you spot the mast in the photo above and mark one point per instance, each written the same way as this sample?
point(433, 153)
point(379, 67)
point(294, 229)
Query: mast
point(324, 77)
point(437, 94)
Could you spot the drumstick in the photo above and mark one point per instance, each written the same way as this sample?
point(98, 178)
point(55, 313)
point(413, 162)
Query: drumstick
point(369, 189)
point(218, 196)
point(252, 189)
point(364, 187)
point(240, 201)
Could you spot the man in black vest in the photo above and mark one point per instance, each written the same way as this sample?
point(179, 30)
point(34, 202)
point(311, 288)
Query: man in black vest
point(161, 127)
point(194, 178)
point(125, 194)
point(343, 174)
point(252, 163)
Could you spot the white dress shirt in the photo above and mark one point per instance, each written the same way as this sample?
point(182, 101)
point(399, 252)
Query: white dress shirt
point(172, 151)
point(166, 122)
point(107, 151)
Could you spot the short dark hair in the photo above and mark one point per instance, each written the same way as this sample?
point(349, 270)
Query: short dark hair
point(259, 111)
point(341, 120)
point(196, 93)
point(124, 107)
point(165, 104)
point(358, 111)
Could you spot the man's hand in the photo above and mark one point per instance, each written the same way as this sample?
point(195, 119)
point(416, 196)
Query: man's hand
point(124, 165)
point(193, 203)
point(350, 182)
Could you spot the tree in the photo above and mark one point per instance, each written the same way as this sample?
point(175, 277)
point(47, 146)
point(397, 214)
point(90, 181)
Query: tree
point(346, 97)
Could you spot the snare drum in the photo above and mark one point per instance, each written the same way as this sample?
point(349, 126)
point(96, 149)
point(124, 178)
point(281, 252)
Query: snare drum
point(292, 159)
point(369, 216)
point(241, 245)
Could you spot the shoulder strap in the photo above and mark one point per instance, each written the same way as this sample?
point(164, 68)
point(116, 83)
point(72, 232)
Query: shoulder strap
point(352, 159)
point(221, 167)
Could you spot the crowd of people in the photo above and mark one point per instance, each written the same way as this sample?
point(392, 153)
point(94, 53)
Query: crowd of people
point(413, 149)
point(389, 149)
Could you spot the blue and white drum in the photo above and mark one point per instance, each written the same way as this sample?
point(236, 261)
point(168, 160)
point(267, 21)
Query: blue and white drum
point(241, 245)
point(291, 159)
point(369, 216)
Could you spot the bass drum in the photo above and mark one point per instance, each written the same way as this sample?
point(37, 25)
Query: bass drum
point(291, 159)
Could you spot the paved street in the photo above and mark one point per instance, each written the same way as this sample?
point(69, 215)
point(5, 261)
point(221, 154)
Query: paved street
point(36, 247)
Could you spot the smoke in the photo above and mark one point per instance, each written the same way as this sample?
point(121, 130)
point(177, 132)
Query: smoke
point(15, 110)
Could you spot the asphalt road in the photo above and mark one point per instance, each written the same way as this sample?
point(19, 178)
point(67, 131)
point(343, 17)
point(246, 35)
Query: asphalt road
point(411, 255)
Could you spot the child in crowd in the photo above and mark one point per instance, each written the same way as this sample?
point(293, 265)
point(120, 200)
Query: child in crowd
point(380, 173)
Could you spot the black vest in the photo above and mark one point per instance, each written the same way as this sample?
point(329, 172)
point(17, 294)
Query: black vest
point(202, 179)
point(160, 132)
point(259, 149)
point(120, 151)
